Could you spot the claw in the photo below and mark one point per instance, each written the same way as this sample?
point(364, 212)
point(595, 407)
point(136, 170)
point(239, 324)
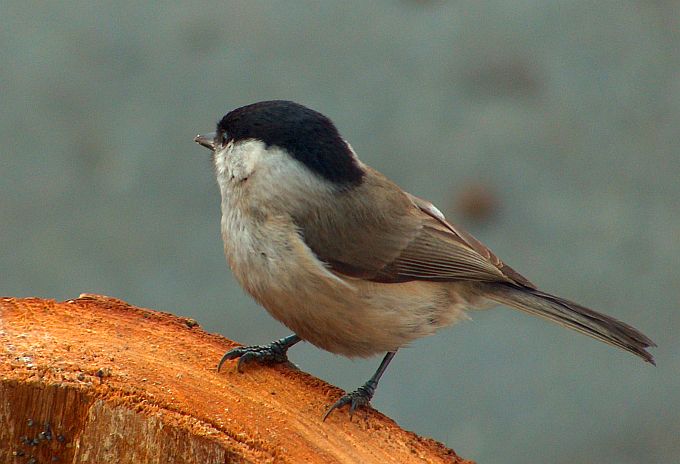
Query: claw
point(253, 356)
point(359, 397)
point(273, 353)
point(362, 395)
point(231, 354)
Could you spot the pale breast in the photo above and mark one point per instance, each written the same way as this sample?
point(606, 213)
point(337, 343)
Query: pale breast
point(345, 316)
point(271, 260)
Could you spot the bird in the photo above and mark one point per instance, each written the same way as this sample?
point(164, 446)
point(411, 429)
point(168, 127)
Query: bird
point(349, 261)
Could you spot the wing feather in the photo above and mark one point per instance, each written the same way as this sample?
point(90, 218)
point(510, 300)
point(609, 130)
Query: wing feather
point(378, 232)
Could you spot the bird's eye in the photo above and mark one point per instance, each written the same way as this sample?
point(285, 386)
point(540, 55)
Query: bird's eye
point(221, 139)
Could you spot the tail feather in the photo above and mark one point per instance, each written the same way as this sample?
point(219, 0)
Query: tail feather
point(572, 315)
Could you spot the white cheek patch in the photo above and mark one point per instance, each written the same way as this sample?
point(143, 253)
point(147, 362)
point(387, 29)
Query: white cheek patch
point(221, 162)
point(237, 162)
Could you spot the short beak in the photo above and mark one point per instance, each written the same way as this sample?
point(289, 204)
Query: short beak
point(207, 140)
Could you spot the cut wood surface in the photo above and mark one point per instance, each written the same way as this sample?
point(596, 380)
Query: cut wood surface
point(96, 380)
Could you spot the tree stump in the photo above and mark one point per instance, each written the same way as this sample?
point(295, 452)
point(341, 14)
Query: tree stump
point(96, 380)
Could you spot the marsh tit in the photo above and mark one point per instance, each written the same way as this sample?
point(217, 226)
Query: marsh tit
point(349, 261)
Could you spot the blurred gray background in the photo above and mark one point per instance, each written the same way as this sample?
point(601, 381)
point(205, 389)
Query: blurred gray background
point(563, 115)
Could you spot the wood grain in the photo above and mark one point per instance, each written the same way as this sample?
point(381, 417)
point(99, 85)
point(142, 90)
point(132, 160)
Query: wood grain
point(97, 380)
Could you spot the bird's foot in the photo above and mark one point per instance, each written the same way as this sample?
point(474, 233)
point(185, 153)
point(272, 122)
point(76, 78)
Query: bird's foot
point(272, 353)
point(359, 397)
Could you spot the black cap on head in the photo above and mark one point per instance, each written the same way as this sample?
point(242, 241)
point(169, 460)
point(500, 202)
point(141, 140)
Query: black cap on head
point(309, 137)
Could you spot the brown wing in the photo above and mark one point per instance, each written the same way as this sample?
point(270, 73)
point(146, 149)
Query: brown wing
point(380, 233)
point(442, 236)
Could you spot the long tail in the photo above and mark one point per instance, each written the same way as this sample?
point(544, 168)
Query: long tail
point(571, 315)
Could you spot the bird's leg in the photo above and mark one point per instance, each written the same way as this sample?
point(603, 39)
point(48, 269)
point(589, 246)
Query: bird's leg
point(362, 395)
point(273, 353)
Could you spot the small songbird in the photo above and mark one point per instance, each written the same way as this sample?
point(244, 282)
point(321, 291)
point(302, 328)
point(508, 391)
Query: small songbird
point(346, 259)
